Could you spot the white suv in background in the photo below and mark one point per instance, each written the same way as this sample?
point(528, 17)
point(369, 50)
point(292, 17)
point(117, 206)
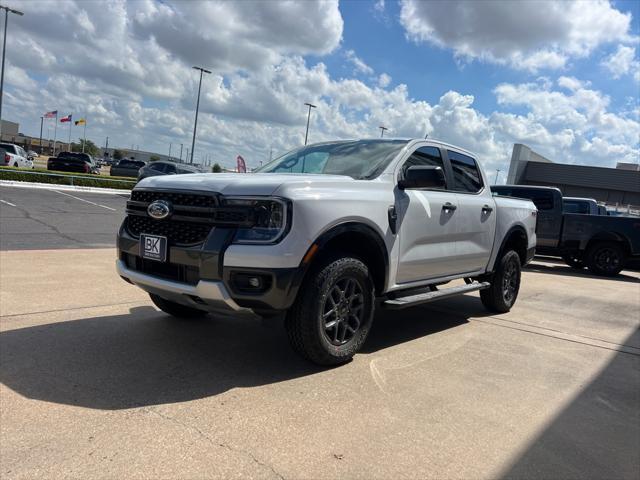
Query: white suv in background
point(15, 156)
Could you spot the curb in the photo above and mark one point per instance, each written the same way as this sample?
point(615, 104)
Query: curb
point(53, 186)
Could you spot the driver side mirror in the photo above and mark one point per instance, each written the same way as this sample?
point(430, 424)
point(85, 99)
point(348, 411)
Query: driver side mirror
point(422, 177)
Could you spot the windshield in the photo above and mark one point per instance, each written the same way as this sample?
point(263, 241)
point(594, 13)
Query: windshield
point(361, 159)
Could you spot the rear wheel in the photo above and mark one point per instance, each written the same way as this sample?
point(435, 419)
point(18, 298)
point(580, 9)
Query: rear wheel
point(176, 309)
point(330, 320)
point(505, 284)
point(574, 260)
point(606, 258)
point(15, 164)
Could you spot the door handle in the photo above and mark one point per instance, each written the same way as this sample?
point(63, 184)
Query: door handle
point(487, 208)
point(449, 206)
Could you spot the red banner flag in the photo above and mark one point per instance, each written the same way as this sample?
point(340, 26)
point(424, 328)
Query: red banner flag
point(242, 166)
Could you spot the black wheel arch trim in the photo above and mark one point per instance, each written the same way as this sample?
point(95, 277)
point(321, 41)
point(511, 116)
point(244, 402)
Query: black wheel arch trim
point(515, 228)
point(350, 227)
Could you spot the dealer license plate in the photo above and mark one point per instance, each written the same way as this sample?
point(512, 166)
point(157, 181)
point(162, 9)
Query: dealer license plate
point(153, 247)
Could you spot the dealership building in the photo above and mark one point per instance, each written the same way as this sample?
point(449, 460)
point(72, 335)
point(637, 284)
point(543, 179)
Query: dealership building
point(619, 187)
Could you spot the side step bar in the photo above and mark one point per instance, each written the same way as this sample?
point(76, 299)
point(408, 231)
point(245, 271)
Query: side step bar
point(412, 300)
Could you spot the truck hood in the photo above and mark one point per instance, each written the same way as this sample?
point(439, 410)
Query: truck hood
point(238, 183)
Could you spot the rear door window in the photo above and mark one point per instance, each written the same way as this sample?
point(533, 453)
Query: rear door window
point(466, 175)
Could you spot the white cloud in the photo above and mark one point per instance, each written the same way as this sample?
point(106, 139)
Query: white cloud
point(384, 80)
point(359, 65)
point(526, 35)
point(622, 62)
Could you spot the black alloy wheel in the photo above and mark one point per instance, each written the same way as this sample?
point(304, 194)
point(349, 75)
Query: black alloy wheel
point(606, 259)
point(343, 311)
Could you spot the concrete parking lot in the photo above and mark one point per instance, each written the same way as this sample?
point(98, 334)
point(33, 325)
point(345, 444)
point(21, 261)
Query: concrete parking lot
point(96, 382)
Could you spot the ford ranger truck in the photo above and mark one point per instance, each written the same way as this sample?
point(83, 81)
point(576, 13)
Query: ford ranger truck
point(325, 234)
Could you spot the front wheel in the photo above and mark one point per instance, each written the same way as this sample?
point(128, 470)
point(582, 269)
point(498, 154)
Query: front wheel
point(176, 309)
point(505, 284)
point(331, 317)
point(606, 258)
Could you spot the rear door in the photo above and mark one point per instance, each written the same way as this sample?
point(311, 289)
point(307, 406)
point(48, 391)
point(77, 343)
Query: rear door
point(476, 213)
point(426, 225)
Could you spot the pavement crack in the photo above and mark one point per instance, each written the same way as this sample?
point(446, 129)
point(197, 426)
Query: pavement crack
point(213, 442)
point(28, 216)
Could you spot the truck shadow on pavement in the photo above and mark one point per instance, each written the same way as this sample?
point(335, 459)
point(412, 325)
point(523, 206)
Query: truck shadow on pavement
point(148, 358)
point(561, 268)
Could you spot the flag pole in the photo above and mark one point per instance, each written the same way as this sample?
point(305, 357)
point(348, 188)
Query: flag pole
point(70, 122)
point(55, 132)
point(84, 142)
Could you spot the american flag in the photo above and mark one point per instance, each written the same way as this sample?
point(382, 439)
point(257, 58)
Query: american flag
point(53, 114)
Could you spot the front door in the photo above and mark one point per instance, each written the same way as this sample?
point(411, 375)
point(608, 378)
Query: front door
point(427, 222)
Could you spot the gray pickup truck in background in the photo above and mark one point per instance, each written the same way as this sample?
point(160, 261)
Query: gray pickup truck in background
point(602, 243)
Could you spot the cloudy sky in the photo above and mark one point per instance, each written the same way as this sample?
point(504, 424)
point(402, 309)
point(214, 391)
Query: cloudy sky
point(560, 76)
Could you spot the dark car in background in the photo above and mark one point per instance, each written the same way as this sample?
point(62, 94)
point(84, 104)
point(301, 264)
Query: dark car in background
point(163, 167)
point(73, 162)
point(603, 243)
point(127, 168)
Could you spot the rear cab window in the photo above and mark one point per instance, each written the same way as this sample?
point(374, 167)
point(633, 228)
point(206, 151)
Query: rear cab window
point(466, 174)
point(542, 199)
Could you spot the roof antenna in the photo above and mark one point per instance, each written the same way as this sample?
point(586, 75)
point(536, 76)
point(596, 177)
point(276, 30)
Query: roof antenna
point(425, 137)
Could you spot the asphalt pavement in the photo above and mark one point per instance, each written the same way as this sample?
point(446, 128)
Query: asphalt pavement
point(96, 382)
point(35, 218)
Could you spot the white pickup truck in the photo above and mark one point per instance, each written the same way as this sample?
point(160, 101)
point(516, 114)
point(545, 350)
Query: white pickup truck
point(326, 234)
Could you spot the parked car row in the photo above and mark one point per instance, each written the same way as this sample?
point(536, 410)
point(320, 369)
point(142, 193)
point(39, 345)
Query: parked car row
point(139, 169)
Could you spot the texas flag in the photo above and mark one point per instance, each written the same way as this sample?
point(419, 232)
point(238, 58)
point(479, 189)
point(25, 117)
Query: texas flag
point(65, 119)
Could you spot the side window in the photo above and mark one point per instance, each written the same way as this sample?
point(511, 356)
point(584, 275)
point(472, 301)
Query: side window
point(157, 166)
point(466, 176)
point(424, 157)
point(168, 168)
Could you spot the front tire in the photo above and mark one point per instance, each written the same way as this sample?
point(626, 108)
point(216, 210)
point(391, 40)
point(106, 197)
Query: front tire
point(505, 284)
point(176, 309)
point(606, 259)
point(332, 315)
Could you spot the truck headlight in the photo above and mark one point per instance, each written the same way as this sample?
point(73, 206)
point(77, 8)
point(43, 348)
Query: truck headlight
point(271, 219)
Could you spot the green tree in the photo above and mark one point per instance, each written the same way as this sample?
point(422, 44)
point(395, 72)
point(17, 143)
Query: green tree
point(118, 155)
point(89, 147)
point(154, 158)
point(216, 168)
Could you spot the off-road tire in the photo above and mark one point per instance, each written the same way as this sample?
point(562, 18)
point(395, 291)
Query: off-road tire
point(307, 323)
point(505, 284)
point(606, 259)
point(574, 261)
point(176, 309)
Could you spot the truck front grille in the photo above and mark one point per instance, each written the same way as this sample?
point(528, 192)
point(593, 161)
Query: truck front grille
point(177, 198)
point(177, 233)
point(171, 271)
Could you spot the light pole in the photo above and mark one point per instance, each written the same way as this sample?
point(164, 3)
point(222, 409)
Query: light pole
point(181, 153)
point(169, 150)
point(195, 123)
point(495, 182)
point(306, 135)
point(382, 129)
point(4, 49)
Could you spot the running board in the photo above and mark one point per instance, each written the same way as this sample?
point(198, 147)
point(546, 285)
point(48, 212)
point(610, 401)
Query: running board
point(411, 300)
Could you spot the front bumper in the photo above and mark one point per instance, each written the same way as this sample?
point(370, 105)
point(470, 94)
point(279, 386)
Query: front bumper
point(208, 295)
point(197, 277)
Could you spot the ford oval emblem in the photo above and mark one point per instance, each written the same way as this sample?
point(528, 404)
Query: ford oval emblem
point(159, 209)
